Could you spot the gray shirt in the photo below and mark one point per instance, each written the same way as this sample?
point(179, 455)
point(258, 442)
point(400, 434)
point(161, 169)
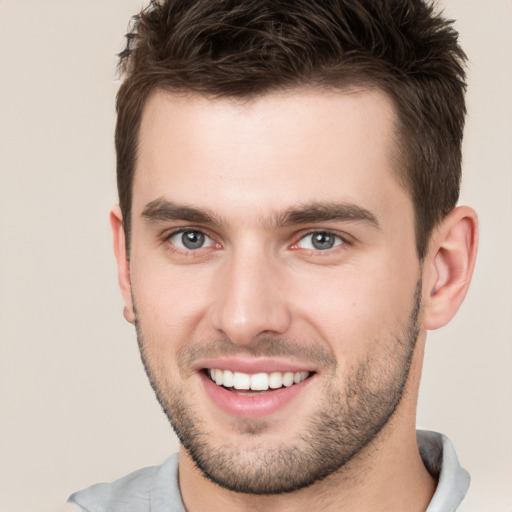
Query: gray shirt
point(156, 489)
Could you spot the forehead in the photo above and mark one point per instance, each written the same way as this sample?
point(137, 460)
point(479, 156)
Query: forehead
point(267, 153)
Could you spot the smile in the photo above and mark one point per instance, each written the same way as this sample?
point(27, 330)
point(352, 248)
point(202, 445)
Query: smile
point(257, 381)
point(255, 388)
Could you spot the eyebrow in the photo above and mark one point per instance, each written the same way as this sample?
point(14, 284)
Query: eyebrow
point(161, 210)
point(325, 212)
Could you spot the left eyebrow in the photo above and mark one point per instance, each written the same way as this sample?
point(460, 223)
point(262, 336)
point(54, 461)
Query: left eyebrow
point(325, 212)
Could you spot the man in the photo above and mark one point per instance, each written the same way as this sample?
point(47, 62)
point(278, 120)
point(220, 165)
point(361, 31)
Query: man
point(288, 174)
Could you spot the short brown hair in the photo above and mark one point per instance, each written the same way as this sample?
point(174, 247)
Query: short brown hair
point(244, 48)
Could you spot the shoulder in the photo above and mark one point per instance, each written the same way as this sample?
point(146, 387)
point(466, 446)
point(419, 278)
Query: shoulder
point(143, 490)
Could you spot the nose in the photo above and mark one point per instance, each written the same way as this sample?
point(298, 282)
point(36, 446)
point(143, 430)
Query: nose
point(250, 298)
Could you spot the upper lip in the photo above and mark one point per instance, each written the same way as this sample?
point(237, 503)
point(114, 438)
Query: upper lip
point(252, 366)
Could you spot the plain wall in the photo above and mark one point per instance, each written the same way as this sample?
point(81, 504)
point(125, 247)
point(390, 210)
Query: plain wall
point(75, 404)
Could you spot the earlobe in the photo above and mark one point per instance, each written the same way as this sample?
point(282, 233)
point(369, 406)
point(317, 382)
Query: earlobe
point(449, 266)
point(123, 263)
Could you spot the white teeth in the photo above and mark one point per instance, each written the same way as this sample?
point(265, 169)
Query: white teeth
point(228, 380)
point(257, 381)
point(241, 380)
point(275, 380)
point(288, 379)
point(299, 377)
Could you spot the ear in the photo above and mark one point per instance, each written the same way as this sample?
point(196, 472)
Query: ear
point(123, 263)
point(449, 266)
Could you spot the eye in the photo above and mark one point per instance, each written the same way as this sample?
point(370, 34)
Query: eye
point(190, 240)
point(320, 241)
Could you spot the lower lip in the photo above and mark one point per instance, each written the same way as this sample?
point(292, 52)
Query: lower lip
point(252, 405)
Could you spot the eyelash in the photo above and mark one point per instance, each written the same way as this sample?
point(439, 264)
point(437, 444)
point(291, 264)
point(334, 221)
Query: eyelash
point(343, 240)
point(185, 251)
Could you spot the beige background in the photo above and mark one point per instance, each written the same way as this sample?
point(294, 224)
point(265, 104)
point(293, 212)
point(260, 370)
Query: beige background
point(74, 403)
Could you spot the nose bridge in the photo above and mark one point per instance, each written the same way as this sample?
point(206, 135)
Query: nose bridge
point(250, 298)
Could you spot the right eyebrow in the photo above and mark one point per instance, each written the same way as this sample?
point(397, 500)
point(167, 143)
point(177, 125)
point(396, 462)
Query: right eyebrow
point(161, 210)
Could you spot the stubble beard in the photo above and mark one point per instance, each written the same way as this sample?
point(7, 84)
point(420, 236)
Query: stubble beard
point(347, 421)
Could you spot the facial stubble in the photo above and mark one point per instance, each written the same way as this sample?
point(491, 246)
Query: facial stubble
point(345, 423)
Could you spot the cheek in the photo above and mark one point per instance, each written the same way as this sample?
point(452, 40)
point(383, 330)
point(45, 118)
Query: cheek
point(356, 312)
point(169, 302)
point(345, 315)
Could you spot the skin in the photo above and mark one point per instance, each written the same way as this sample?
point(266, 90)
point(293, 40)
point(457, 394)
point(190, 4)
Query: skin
point(247, 164)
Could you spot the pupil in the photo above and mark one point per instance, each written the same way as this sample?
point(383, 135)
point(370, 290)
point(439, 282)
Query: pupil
point(323, 241)
point(192, 239)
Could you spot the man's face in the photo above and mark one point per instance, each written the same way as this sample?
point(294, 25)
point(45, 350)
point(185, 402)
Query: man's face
point(272, 247)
